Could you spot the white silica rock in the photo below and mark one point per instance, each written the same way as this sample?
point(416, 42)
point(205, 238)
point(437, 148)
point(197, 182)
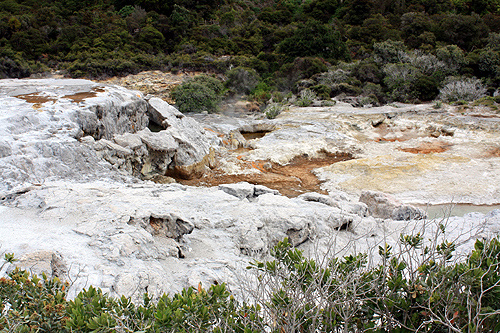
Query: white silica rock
point(72, 152)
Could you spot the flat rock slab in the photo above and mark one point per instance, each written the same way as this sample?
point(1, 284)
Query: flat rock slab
point(129, 238)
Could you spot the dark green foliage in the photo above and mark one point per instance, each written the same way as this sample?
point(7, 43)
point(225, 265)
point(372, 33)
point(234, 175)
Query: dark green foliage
point(344, 88)
point(242, 80)
point(367, 71)
point(466, 31)
point(36, 304)
point(387, 51)
point(315, 39)
point(301, 68)
point(356, 11)
point(13, 68)
point(322, 10)
point(425, 88)
point(119, 37)
point(322, 91)
point(374, 91)
point(348, 294)
point(202, 93)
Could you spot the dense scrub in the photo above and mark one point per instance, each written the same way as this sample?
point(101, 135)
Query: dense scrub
point(402, 50)
point(417, 286)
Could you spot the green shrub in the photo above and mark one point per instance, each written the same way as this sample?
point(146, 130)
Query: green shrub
point(210, 82)
point(242, 80)
point(453, 57)
point(399, 79)
point(387, 52)
point(301, 68)
point(273, 110)
point(418, 288)
point(425, 88)
point(465, 89)
point(32, 304)
point(262, 92)
point(314, 39)
point(202, 93)
point(306, 98)
point(367, 71)
point(345, 88)
point(322, 91)
point(374, 89)
point(416, 285)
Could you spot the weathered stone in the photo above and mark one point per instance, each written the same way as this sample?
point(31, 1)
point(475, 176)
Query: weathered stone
point(116, 149)
point(385, 206)
point(129, 140)
point(379, 204)
point(5, 149)
point(169, 225)
point(408, 212)
point(58, 266)
point(244, 190)
point(240, 190)
point(158, 141)
point(163, 113)
point(378, 121)
point(337, 201)
point(130, 237)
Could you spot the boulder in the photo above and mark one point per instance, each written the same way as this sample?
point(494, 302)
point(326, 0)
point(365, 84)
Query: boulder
point(159, 141)
point(244, 190)
point(162, 113)
point(385, 206)
point(408, 212)
point(169, 225)
point(337, 201)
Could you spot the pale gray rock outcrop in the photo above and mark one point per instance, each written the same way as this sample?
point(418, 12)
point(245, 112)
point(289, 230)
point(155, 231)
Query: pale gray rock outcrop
point(244, 190)
point(70, 203)
point(182, 147)
point(339, 201)
point(43, 120)
point(79, 130)
point(125, 227)
point(385, 206)
point(129, 238)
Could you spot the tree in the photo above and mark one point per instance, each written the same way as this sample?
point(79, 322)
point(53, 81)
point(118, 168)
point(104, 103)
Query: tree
point(315, 39)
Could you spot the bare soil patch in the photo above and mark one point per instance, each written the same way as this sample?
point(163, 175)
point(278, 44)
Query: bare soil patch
point(492, 152)
point(428, 148)
point(290, 180)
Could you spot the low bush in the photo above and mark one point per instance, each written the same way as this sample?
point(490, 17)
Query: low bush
point(418, 284)
point(242, 80)
point(425, 88)
point(466, 89)
point(273, 110)
point(202, 93)
point(345, 88)
point(322, 91)
point(306, 98)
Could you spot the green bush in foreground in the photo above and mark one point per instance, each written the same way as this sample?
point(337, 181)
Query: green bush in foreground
point(419, 288)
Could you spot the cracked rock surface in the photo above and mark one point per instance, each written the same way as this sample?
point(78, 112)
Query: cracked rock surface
point(76, 201)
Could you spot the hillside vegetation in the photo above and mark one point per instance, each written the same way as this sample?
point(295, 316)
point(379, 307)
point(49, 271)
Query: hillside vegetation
point(383, 50)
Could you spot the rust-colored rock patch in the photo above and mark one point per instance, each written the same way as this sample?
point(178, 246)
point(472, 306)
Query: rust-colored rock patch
point(290, 180)
point(37, 100)
point(428, 148)
point(492, 152)
point(81, 96)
